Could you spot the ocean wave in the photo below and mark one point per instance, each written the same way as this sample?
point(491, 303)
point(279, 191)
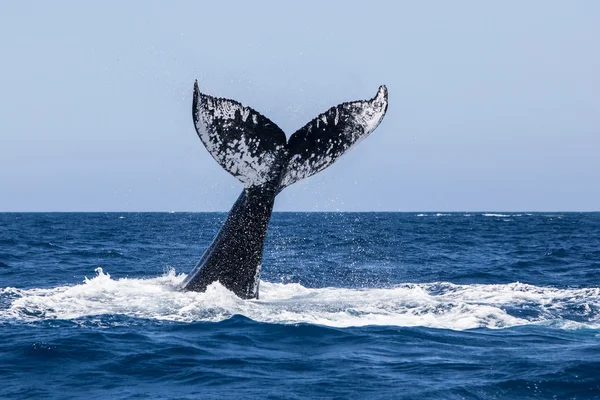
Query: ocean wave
point(436, 305)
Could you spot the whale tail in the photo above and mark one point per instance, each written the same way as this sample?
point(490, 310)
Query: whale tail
point(254, 150)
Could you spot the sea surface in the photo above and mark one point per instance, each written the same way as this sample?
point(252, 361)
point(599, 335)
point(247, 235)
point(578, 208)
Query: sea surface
point(352, 306)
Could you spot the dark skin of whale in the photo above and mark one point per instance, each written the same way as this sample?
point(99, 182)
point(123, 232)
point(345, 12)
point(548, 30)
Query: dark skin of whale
point(235, 255)
point(254, 150)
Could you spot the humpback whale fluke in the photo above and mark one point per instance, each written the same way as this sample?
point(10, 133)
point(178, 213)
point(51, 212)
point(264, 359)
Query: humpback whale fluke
point(254, 150)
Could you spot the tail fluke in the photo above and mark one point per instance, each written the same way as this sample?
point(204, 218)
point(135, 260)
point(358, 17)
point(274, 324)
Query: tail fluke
point(245, 143)
point(253, 149)
point(324, 139)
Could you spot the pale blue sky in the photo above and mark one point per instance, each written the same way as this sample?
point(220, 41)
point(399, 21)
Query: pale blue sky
point(493, 106)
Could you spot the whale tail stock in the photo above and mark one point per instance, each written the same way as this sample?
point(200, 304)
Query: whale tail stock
point(254, 150)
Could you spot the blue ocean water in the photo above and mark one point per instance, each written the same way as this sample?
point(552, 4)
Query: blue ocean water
point(352, 305)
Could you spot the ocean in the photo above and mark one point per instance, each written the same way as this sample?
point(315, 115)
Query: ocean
point(352, 305)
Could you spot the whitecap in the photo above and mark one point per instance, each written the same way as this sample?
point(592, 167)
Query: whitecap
point(436, 305)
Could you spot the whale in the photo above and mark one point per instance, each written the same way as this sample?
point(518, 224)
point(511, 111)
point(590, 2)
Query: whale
point(255, 151)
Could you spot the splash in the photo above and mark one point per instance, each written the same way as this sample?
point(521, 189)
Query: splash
point(435, 305)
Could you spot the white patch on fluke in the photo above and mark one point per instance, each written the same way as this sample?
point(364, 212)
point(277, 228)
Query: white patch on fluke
point(435, 305)
point(245, 113)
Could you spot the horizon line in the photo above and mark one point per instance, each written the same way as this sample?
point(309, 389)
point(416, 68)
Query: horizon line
point(307, 212)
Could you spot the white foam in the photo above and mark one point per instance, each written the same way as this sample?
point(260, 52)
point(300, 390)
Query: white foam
point(436, 305)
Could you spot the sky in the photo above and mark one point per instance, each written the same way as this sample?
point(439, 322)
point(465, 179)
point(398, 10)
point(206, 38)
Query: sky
point(493, 106)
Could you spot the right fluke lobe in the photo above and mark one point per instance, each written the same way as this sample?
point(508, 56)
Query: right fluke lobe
point(323, 140)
